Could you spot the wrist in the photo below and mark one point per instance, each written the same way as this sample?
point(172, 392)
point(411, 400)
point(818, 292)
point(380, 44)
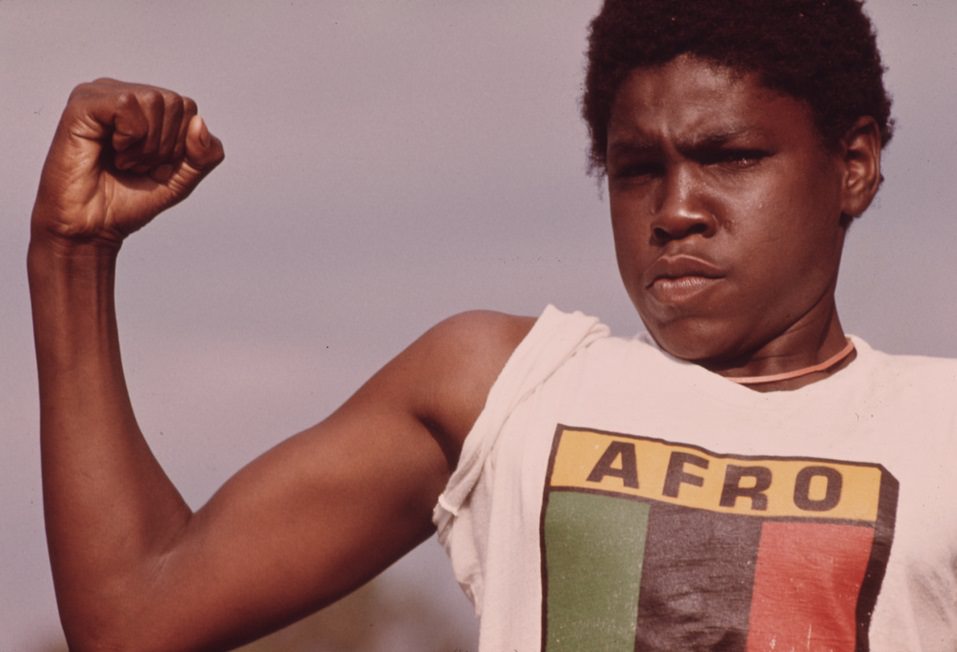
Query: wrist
point(69, 230)
point(57, 247)
point(71, 261)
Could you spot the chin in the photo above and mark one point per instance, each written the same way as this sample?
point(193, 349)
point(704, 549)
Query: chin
point(696, 340)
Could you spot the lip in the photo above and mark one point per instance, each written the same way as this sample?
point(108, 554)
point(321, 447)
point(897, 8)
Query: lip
point(672, 279)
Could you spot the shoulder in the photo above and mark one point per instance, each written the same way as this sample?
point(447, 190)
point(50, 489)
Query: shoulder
point(919, 378)
point(919, 368)
point(475, 339)
point(443, 378)
point(463, 356)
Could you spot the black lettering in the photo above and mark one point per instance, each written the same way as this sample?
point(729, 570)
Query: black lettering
point(628, 471)
point(832, 494)
point(676, 475)
point(733, 490)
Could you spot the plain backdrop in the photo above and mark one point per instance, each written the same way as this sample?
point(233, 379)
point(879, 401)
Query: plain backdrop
point(388, 164)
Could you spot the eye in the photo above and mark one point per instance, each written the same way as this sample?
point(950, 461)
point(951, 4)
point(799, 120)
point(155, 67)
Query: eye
point(735, 158)
point(636, 170)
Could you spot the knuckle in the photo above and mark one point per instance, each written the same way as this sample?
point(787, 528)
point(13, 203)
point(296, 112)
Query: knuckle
point(189, 106)
point(152, 98)
point(81, 91)
point(125, 99)
point(174, 105)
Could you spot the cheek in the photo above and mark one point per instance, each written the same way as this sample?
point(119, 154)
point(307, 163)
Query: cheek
point(630, 251)
point(813, 198)
point(790, 267)
point(789, 217)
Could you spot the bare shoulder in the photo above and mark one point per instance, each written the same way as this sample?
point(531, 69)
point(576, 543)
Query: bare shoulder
point(481, 337)
point(462, 356)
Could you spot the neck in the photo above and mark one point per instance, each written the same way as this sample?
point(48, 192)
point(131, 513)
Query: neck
point(818, 368)
point(801, 356)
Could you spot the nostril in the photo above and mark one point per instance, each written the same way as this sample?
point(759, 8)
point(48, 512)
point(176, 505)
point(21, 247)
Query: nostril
point(660, 235)
point(676, 231)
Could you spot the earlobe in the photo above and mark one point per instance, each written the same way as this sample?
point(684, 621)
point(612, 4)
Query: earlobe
point(861, 148)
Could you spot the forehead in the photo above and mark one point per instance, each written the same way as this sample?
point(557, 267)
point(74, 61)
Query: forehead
point(693, 99)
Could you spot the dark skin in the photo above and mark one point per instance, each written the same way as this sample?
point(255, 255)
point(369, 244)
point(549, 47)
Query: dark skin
point(323, 512)
point(728, 213)
point(332, 506)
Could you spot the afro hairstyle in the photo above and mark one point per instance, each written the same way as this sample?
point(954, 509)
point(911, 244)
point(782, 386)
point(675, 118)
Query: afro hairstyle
point(822, 52)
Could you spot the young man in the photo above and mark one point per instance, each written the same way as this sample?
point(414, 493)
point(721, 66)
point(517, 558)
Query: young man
point(740, 480)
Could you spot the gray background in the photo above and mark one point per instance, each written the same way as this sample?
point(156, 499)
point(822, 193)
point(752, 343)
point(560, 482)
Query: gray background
point(388, 164)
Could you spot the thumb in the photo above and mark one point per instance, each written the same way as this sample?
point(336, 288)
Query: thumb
point(203, 150)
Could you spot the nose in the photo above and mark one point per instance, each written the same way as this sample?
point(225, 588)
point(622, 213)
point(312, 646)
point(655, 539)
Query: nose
point(679, 209)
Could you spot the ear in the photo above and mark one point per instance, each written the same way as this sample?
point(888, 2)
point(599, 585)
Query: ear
point(861, 158)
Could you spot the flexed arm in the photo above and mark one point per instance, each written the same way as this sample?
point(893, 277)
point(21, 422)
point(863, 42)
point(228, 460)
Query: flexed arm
point(305, 523)
point(121, 154)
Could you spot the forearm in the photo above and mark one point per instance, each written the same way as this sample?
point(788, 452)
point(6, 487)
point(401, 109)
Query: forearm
point(110, 509)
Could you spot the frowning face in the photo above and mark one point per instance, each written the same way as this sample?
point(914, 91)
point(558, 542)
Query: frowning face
point(726, 209)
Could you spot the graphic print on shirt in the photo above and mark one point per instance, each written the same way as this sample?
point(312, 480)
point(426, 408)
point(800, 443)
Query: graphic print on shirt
point(655, 545)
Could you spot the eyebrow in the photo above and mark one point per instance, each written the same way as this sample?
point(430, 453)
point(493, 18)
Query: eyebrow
point(642, 145)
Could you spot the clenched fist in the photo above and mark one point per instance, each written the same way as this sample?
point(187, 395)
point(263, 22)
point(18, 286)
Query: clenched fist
point(122, 153)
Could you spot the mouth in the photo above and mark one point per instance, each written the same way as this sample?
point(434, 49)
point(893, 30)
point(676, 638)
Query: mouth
point(675, 279)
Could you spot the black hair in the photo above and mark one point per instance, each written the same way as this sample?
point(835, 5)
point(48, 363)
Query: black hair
point(823, 52)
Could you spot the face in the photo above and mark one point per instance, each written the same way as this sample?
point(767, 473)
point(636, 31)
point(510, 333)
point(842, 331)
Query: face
point(726, 209)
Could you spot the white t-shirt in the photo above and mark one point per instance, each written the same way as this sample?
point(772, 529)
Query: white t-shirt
point(611, 497)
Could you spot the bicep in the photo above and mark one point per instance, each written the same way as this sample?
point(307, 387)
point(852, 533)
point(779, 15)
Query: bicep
point(306, 523)
point(331, 507)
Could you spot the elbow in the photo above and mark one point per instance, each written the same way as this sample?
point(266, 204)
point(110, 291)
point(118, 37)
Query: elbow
point(115, 632)
point(122, 634)
point(102, 635)
point(110, 641)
